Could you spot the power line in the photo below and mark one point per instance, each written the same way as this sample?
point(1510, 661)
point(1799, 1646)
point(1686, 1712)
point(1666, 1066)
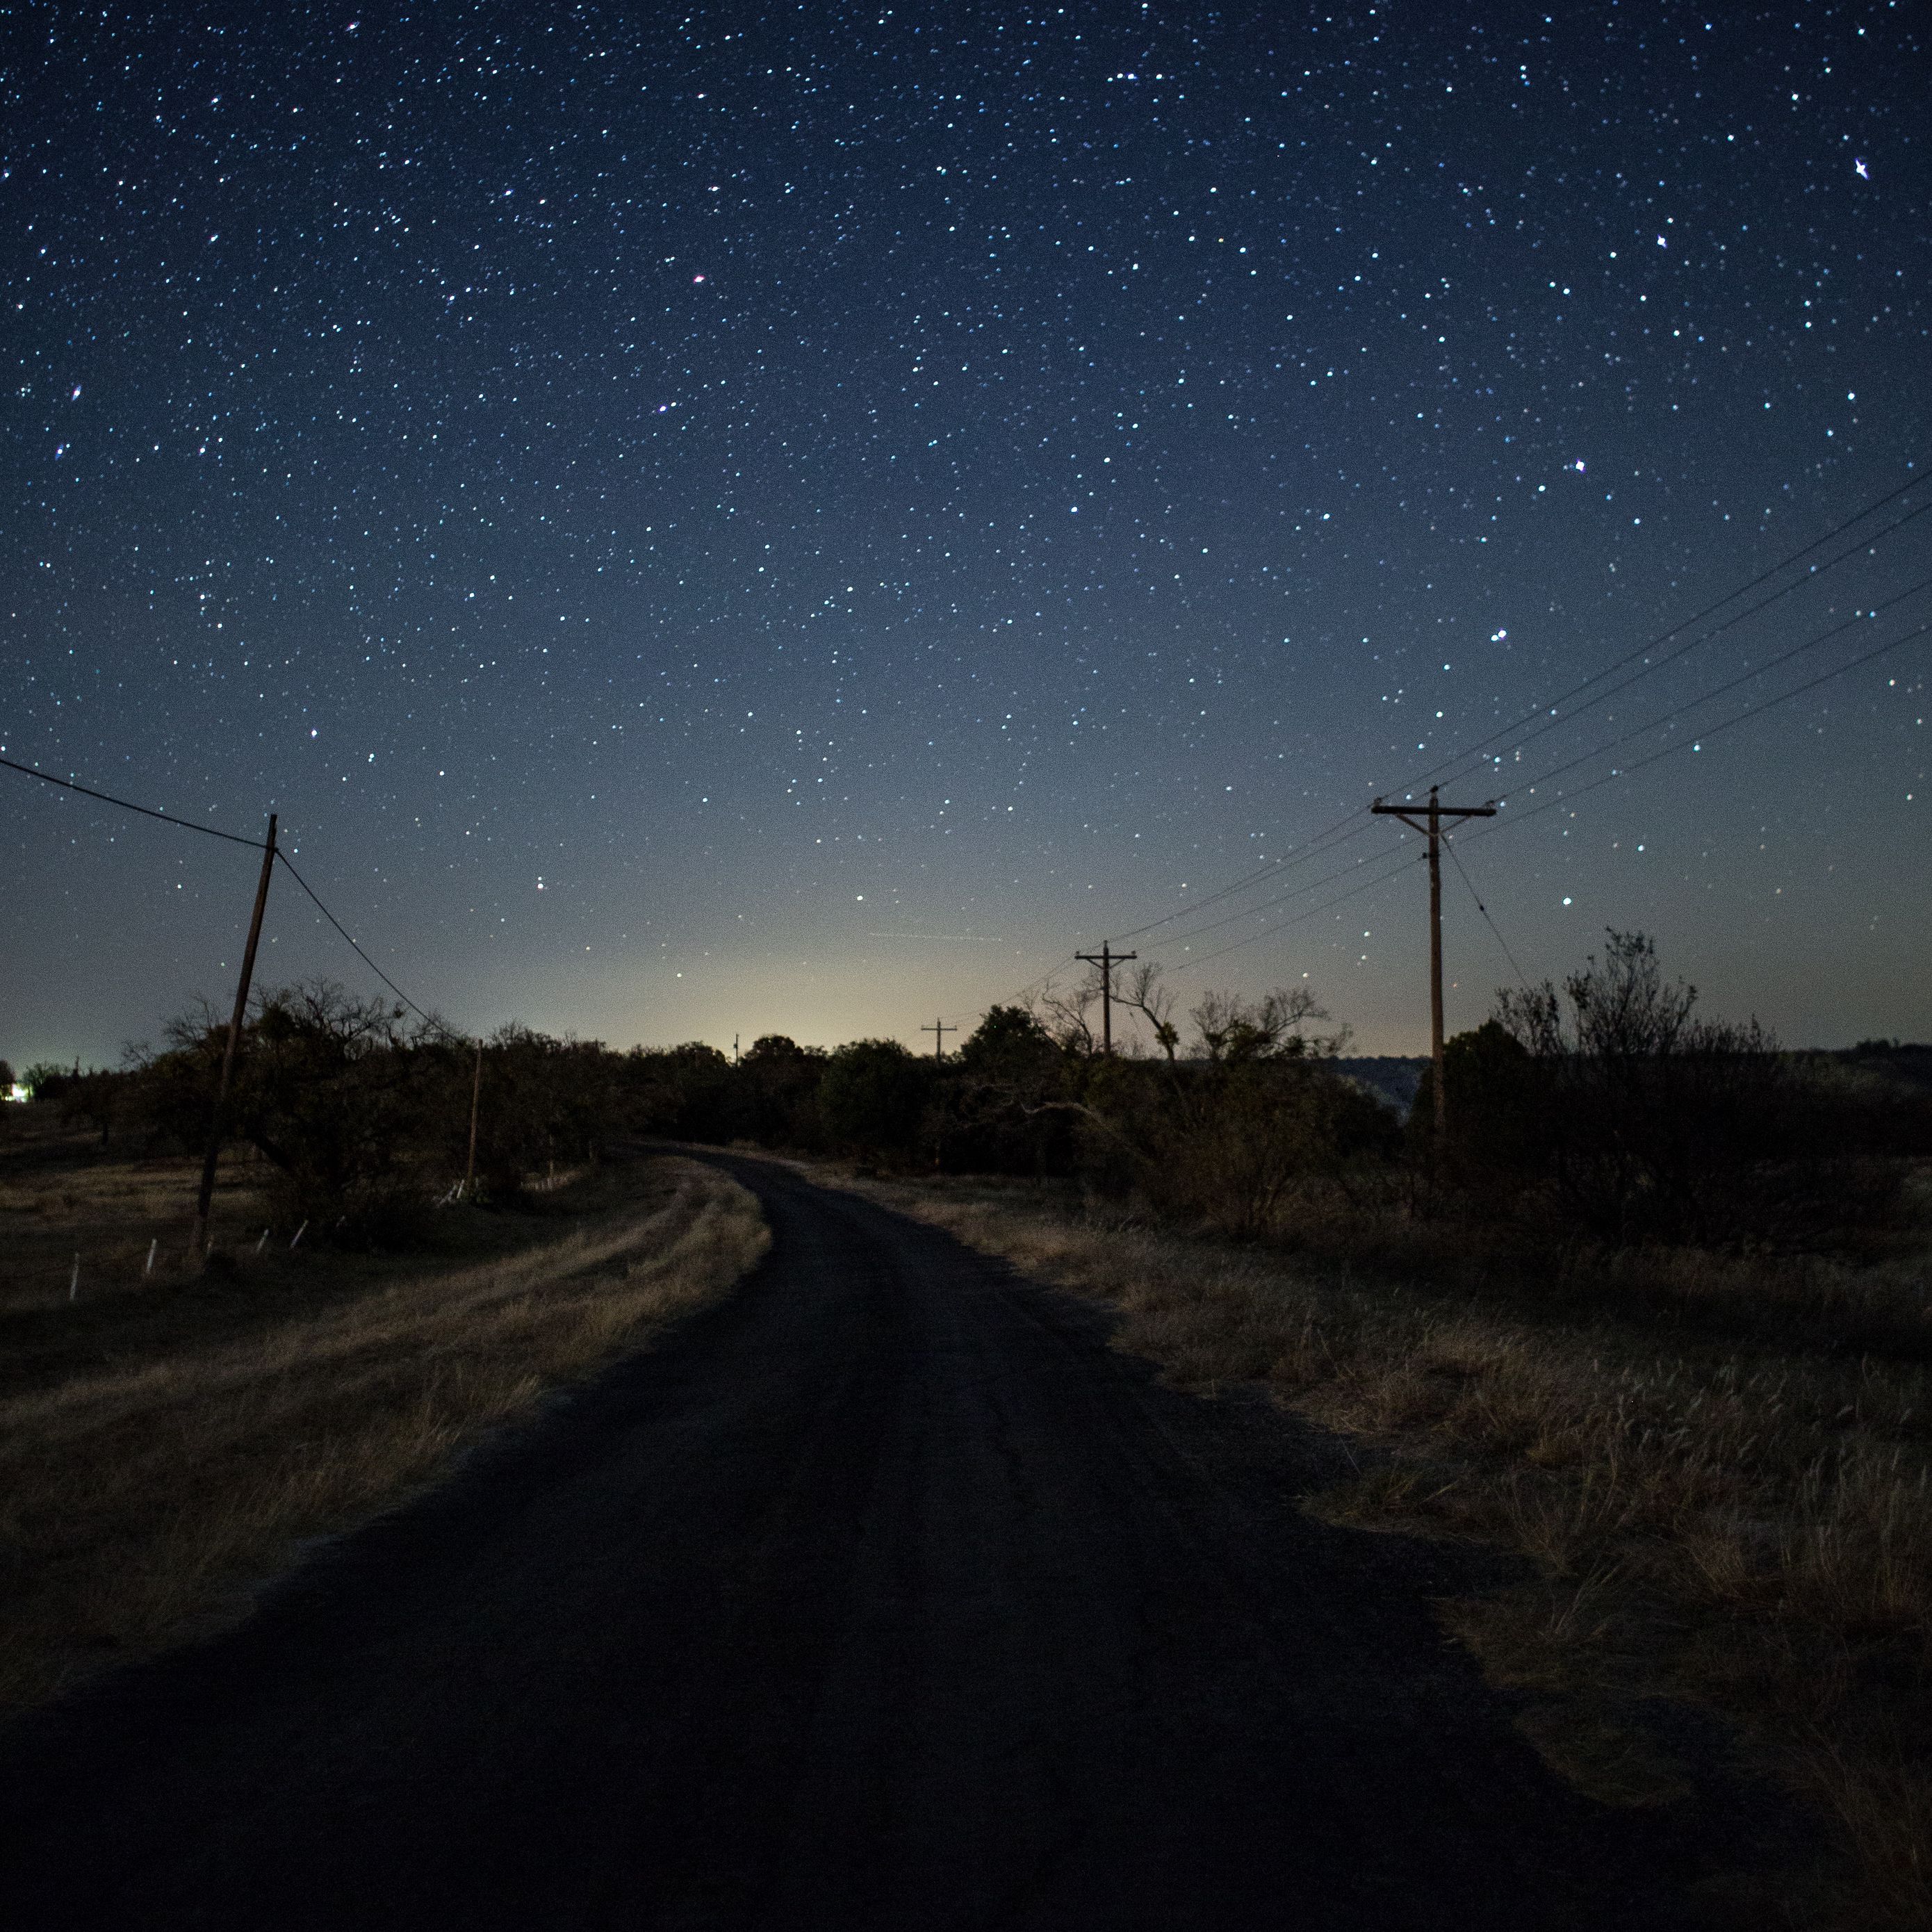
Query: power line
point(128, 805)
point(1457, 857)
point(1274, 866)
point(1554, 721)
point(358, 951)
point(1308, 912)
point(1743, 677)
point(1281, 898)
point(1380, 878)
point(1327, 840)
point(1321, 840)
point(1698, 743)
point(1697, 617)
point(1584, 758)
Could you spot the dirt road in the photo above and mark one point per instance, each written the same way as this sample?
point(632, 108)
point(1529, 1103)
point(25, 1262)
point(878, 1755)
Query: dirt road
point(883, 1595)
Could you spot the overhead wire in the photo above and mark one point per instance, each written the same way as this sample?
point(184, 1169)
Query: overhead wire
point(1697, 617)
point(1718, 691)
point(1281, 898)
point(1327, 839)
point(1724, 725)
point(1498, 825)
point(1542, 716)
point(1449, 843)
point(429, 1019)
point(1273, 867)
point(1308, 912)
point(233, 838)
point(1554, 722)
point(128, 805)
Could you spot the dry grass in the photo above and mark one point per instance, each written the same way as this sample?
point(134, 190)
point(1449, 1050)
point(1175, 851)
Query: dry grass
point(141, 1494)
point(60, 1197)
point(1733, 1523)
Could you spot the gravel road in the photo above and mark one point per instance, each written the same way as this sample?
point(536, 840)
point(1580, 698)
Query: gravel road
point(882, 1595)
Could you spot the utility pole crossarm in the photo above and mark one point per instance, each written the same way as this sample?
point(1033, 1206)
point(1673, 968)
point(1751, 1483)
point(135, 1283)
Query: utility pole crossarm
point(939, 1030)
point(1401, 811)
point(1428, 822)
point(1106, 959)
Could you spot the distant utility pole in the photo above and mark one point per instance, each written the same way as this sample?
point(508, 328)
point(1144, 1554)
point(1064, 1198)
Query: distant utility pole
point(939, 1030)
point(1106, 960)
point(205, 1200)
point(1432, 828)
point(734, 1049)
point(475, 1104)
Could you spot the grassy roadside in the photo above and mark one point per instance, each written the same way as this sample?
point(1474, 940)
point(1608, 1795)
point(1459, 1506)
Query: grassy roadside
point(152, 1470)
point(1719, 1512)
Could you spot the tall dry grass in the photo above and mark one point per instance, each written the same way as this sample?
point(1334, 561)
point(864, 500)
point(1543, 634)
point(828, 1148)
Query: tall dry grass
point(139, 1500)
point(1743, 1525)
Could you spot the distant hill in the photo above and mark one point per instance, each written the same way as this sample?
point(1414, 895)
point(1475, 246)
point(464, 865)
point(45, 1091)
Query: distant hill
point(1903, 1064)
point(1395, 1079)
point(1906, 1063)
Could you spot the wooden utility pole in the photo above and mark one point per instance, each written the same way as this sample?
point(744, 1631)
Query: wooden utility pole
point(1106, 960)
point(939, 1030)
point(205, 1201)
point(1431, 827)
point(476, 1104)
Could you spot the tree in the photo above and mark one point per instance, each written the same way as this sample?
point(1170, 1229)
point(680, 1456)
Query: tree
point(1000, 1105)
point(684, 1091)
point(1652, 1115)
point(1066, 1014)
point(776, 1092)
point(872, 1095)
point(45, 1081)
point(1230, 1031)
point(1500, 1096)
point(1142, 992)
point(1009, 1044)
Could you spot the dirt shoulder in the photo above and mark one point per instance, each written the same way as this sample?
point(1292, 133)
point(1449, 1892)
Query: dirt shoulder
point(1728, 1525)
point(166, 1445)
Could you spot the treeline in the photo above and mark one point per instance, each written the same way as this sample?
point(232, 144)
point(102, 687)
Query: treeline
point(1608, 1109)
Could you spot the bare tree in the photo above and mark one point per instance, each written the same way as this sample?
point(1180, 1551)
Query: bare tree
point(1066, 1015)
point(1143, 993)
point(1229, 1030)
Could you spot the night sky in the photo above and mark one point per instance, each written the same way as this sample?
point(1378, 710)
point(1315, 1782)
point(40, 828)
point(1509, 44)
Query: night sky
point(704, 522)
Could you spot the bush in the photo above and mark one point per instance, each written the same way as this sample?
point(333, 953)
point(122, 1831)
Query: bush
point(44, 1081)
point(1647, 1120)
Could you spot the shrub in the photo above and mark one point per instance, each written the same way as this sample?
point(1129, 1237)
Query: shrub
point(1649, 1119)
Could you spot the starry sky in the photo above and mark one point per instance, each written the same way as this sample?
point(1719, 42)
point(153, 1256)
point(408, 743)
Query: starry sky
point(709, 521)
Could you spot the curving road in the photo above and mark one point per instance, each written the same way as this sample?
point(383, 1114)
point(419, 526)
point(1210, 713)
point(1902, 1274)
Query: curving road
point(882, 1595)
